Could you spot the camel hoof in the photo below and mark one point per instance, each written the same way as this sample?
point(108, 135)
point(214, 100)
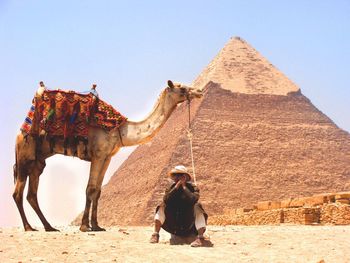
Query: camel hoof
point(84, 228)
point(29, 228)
point(51, 229)
point(97, 228)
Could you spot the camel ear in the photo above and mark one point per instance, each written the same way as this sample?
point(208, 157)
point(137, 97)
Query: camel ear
point(171, 84)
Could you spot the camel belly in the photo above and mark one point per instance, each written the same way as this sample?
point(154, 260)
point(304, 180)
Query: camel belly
point(49, 147)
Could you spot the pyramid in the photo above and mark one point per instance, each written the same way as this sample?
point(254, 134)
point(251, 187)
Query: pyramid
point(240, 68)
point(256, 138)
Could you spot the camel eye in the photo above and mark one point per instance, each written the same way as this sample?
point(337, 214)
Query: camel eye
point(183, 90)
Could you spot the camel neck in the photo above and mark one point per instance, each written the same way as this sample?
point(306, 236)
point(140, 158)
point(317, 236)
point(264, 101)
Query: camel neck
point(134, 133)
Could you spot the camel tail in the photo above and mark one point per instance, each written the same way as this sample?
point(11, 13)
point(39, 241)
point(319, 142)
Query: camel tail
point(15, 170)
point(15, 166)
point(14, 173)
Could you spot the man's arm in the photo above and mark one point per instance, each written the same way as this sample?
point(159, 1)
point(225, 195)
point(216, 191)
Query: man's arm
point(192, 197)
point(169, 193)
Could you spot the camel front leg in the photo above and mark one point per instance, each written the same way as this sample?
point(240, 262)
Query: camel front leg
point(94, 223)
point(91, 191)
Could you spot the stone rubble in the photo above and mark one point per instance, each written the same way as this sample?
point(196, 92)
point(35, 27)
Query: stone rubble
point(324, 209)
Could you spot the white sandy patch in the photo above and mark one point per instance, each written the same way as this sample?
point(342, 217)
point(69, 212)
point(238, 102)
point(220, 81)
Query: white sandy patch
point(130, 244)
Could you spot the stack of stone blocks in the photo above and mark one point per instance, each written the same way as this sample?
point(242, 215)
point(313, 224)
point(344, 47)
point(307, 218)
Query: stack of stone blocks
point(325, 209)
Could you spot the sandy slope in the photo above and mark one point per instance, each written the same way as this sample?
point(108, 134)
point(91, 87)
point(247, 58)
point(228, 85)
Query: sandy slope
point(130, 244)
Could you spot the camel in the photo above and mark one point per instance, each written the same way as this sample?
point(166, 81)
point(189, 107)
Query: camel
point(102, 145)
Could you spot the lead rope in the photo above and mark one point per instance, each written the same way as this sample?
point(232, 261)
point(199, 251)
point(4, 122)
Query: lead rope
point(190, 137)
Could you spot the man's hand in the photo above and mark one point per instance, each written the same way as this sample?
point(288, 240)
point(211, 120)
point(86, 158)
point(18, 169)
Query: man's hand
point(183, 180)
point(178, 184)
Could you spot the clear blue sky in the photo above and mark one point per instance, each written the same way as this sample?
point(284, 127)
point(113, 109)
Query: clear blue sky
point(130, 49)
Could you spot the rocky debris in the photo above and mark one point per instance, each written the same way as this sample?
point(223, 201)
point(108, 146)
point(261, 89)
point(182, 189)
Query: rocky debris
point(301, 215)
point(335, 214)
point(255, 217)
point(268, 205)
point(342, 195)
point(317, 209)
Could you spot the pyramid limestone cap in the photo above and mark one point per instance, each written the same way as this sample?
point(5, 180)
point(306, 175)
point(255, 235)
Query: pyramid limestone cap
point(240, 68)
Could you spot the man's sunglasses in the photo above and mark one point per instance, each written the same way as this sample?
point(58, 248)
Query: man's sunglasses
point(178, 174)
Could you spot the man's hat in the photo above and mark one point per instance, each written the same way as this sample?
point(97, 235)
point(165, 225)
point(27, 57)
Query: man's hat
point(180, 169)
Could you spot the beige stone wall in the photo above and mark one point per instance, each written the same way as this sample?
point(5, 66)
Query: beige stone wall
point(330, 208)
point(255, 217)
point(301, 215)
point(335, 214)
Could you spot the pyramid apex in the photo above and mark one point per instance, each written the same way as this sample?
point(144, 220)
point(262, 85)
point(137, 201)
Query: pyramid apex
point(240, 68)
point(237, 38)
point(236, 41)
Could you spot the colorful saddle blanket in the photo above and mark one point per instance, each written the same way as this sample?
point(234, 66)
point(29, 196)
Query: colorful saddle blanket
point(66, 114)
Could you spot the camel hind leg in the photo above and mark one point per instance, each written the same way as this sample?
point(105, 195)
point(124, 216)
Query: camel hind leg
point(21, 179)
point(32, 195)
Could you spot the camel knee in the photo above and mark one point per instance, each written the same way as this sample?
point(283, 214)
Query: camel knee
point(98, 194)
point(18, 192)
point(17, 197)
point(31, 197)
point(40, 165)
point(93, 192)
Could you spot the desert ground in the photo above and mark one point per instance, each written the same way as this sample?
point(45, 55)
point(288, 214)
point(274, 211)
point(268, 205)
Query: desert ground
point(284, 243)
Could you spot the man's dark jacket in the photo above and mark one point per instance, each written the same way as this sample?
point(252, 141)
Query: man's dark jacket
point(179, 209)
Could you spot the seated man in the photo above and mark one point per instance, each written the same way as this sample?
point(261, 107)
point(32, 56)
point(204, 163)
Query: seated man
point(180, 213)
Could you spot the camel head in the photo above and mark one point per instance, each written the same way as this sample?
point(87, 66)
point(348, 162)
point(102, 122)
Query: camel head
point(182, 92)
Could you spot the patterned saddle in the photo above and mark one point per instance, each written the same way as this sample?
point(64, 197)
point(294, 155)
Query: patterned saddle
point(67, 114)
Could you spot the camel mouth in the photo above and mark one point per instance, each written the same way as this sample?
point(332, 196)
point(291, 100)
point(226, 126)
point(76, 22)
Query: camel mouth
point(195, 93)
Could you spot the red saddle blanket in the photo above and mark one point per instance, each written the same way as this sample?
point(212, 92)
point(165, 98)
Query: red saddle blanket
point(70, 114)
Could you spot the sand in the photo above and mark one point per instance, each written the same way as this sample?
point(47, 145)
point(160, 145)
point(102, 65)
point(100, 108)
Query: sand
point(284, 243)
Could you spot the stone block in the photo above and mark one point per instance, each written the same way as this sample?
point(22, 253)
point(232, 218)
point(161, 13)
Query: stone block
point(267, 217)
point(286, 203)
point(254, 217)
point(257, 217)
point(343, 201)
point(301, 215)
point(342, 195)
point(275, 205)
point(264, 205)
point(297, 202)
point(330, 197)
point(316, 200)
point(312, 215)
point(243, 210)
point(268, 205)
point(335, 214)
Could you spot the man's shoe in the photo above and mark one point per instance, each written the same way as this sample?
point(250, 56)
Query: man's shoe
point(199, 242)
point(154, 238)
